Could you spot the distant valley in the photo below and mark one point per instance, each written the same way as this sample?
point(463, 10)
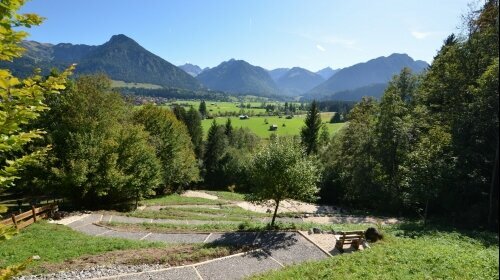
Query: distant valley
point(132, 66)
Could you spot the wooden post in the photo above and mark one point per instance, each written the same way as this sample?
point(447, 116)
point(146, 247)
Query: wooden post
point(34, 213)
point(14, 220)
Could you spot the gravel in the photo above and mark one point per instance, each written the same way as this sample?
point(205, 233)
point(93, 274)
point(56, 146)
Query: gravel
point(92, 272)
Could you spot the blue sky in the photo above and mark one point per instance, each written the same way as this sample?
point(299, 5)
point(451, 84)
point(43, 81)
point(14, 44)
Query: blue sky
point(270, 33)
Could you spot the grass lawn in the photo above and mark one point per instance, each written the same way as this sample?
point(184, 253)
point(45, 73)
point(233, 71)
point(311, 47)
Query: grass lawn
point(408, 253)
point(56, 243)
point(175, 199)
point(259, 127)
point(226, 213)
point(232, 196)
point(242, 226)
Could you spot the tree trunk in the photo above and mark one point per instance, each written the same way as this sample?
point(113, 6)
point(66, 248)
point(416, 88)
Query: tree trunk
point(493, 211)
point(426, 211)
point(136, 200)
point(275, 212)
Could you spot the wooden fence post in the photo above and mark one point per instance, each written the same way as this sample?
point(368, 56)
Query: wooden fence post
point(14, 220)
point(34, 213)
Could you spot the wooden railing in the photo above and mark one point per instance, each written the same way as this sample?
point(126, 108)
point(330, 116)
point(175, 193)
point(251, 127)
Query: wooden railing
point(27, 218)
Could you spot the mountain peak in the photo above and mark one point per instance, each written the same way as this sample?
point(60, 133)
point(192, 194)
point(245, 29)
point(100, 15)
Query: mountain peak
point(121, 38)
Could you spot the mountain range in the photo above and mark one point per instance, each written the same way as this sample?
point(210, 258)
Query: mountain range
point(298, 81)
point(364, 75)
point(239, 76)
point(123, 59)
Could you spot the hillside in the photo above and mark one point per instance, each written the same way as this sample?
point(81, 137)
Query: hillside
point(240, 77)
point(375, 90)
point(298, 80)
point(376, 71)
point(277, 73)
point(121, 58)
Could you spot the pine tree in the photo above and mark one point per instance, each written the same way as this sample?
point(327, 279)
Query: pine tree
point(310, 133)
point(229, 129)
point(215, 151)
point(203, 109)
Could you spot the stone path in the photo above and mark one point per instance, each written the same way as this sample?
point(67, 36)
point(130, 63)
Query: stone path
point(277, 249)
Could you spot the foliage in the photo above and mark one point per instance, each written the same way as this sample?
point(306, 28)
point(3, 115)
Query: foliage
point(281, 170)
point(21, 101)
point(173, 146)
point(98, 155)
point(310, 133)
point(192, 120)
point(429, 146)
point(203, 109)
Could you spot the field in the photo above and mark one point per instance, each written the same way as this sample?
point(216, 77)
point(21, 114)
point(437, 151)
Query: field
point(285, 126)
point(256, 124)
point(224, 107)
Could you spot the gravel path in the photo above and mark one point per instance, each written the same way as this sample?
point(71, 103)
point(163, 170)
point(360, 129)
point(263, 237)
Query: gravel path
point(277, 249)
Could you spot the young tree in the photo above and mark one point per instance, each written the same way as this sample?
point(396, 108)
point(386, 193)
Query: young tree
point(310, 131)
point(282, 170)
point(203, 109)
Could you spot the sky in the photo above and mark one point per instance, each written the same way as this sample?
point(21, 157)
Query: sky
point(269, 33)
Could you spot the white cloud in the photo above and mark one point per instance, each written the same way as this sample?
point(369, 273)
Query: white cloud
point(420, 35)
point(320, 47)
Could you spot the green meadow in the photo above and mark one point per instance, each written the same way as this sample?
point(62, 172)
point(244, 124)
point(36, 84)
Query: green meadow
point(258, 125)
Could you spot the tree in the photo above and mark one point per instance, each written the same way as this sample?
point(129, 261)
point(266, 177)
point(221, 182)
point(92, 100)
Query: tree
point(171, 140)
point(282, 170)
point(229, 129)
point(193, 123)
point(324, 137)
point(215, 151)
point(349, 164)
point(310, 132)
point(192, 120)
point(393, 130)
point(21, 101)
point(429, 168)
point(99, 157)
point(336, 118)
point(203, 109)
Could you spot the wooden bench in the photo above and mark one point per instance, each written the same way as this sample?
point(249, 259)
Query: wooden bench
point(355, 238)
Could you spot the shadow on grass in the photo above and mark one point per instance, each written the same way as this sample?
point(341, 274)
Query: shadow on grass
point(418, 229)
